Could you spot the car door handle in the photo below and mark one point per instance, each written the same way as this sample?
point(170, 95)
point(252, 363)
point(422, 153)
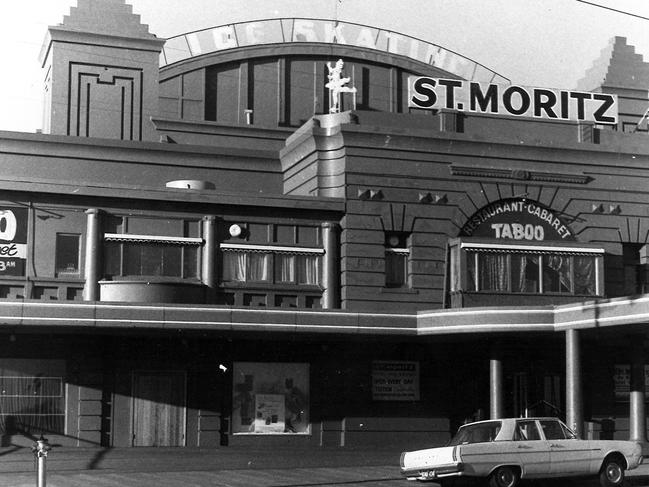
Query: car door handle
point(554, 445)
point(524, 447)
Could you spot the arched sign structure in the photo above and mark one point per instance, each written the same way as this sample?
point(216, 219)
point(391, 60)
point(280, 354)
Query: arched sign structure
point(299, 30)
point(517, 219)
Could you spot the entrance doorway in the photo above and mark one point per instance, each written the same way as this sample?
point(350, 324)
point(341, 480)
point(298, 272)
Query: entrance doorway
point(159, 408)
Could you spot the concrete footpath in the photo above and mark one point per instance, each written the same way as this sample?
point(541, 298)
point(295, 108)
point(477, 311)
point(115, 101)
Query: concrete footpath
point(189, 467)
point(222, 467)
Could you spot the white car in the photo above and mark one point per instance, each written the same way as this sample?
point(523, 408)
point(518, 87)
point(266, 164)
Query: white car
point(507, 450)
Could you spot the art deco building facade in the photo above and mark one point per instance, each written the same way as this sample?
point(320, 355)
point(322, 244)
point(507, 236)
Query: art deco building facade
point(195, 252)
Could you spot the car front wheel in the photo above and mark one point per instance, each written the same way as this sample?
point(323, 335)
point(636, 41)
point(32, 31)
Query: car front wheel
point(612, 473)
point(504, 477)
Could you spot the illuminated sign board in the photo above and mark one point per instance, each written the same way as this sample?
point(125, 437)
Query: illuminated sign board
point(516, 219)
point(474, 97)
point(282, 31)
point(13, 241)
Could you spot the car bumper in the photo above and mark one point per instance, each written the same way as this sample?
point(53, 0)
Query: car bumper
point(434, 472)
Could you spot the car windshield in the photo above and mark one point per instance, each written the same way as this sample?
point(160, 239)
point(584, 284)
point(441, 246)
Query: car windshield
point(476, 433)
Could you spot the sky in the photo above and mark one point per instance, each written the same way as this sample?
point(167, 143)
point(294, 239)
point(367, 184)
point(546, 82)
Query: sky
point(545, 43)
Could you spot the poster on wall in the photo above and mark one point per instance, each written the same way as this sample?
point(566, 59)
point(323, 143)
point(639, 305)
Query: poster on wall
point(13, 241)
point(395, 381)
point(622, 381)
point(269, 413)
point(270, 398)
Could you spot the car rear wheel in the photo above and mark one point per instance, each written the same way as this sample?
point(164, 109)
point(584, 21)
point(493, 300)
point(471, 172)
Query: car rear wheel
point(504, 477)
point(612, 473)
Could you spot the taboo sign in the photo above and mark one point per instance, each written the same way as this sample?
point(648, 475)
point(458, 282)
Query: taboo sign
point(471, 96)
point(516, 219)
point(13, 241)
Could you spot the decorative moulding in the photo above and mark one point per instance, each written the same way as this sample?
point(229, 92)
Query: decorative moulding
point(519, 174)
point(370, 194)
point(427, 198)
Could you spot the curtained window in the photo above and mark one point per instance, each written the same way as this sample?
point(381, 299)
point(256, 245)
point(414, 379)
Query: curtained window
point(285, 268)
point(308, 269)
point(525, 273)
point(278, 267)
point(493, 272)
point(246, 266)
point(529, 272)
point(557, 274)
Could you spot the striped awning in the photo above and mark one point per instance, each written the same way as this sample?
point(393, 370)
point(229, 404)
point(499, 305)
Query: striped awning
point(531, 249)
point(271, 249)
point(155, 239)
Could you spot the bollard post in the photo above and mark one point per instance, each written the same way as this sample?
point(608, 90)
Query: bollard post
point(40, 449)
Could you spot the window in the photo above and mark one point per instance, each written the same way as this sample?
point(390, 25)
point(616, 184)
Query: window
point(526, 431)
point(476, 433)
point(246, 266)
point(297, 269)
point(32, 397)
point(526, 269)
point(67, 254)
point(396, 259)
point(554, 430)
point(270, 398)
point(151, 256)
point(271, 264)
point(31, 404)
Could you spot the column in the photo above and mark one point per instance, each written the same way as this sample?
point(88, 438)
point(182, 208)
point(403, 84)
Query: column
point(574, 400)
point(496, 406)
point(637, 420)
point(209, 268)
point(330, 266)
point(93, 255)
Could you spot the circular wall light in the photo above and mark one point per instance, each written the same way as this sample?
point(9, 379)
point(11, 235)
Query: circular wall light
point(235, 230)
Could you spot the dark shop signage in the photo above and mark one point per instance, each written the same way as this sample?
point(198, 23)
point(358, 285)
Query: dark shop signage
point(520, 101)
point(395, 381)
point(13, 241)
point(516, 219)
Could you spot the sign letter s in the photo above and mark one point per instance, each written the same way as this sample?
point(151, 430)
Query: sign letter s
point(8, 225)
point(423, 87)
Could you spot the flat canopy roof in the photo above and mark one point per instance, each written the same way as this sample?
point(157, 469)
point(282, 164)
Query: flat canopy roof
point(23, 314)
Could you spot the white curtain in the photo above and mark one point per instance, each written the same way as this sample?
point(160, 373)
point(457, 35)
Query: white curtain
point(234, 266)
point(257, 269)
point(285, 268)
point(494, 272)
point(309, 269)
point(525, 273)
